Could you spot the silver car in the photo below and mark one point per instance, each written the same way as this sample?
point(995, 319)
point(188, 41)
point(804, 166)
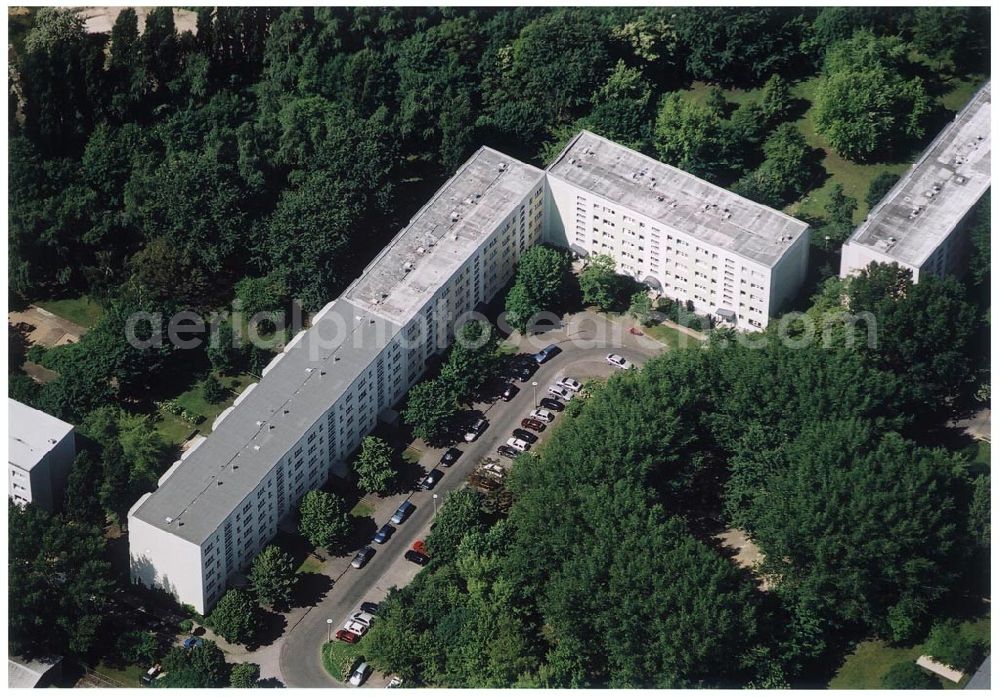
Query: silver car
point(561, 392)
point(360, 674)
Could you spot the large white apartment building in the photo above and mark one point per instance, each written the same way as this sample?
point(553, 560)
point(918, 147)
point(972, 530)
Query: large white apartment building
point(690, 240)
point(40, 454)
point(216, 508)
point(920, 224)
point(221, 503)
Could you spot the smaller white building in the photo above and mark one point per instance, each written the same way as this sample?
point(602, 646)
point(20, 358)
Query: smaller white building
point(685, 238)
point(921, 224)
point(40, 453)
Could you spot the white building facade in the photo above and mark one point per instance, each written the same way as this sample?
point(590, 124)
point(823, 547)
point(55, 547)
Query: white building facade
point(41, 449)
point(215, 509)
point(689, 240)
point(922, 222)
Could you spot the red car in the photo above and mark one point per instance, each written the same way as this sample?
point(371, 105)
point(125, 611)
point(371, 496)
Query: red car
point(533, 424)
point(420, 547)
point(349, 637)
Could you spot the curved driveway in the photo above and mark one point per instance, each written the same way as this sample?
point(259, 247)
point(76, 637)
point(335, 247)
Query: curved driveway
point(585, 342)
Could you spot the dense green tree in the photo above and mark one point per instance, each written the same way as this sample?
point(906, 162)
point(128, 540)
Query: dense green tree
point(853, 567)
point(947, 644)
point(374, 465)
point(788, 170)
point(235, 617)
point(641, 307)
point(203, 666)
point(740, 45)
point(136, 647)
point(430, 406)
point(599, 283)
point(879, 187)
point(776, 99)
point(865, 106)
point(323, 520)
point(907, 675)
point(473, 359)
point(59, 583)
point(143, 449)
point(693, 138)
point(81, 501)
point(272, 577)
point(542, 282)
point(244, 675)
point(622, 108)
point(213, 390)
point(268, 294)
point(926, 331)
point(460, 514)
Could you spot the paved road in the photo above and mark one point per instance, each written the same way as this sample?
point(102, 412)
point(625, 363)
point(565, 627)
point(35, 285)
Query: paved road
point(585, 343)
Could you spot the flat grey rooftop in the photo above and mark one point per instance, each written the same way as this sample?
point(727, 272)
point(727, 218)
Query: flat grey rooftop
point(677, 199)
point(346, 336)
point(443, 234)
point(267, 421)
point(32, 434)
point(933, 197)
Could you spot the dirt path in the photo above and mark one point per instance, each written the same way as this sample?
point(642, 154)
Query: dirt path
point(44, 328)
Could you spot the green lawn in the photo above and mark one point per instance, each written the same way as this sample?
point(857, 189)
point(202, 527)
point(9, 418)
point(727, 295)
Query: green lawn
point(311, 565)
point(128, 676)
point(854, 177)
point(175, 430)
point(363, 509)
point(337, 653)
point(412, 455)
point(864, 667)
point(670, 337)
point(82, 310)
point(982, 453)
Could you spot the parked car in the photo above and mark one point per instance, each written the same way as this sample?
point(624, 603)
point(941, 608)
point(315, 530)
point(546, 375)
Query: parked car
point(508, 451)
point(550, 403)
point(346, 636)
point(363, 618)
point(519, 445)
point(431, 479)
point(510, 392)
point(402, 513)
point(547, 353)
point(416, 557)
point(192, 641)
point(356, 627)
point(360, 674)
point(394, 681)
point(362, 557)
point(525, 435)
point(570, 384)
point(543, 415)
point(383, 534)
point(525, 369)
point(419, 546)
point(369, 607)
point(476, 429)
point(533, 424)
point(560, 392)
point(619, 361)
point(450, 456)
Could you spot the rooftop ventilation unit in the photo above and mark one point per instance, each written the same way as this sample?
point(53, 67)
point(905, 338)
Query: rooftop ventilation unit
point(454, 218)
point(502, 167)
point(168, 519)
point(421, 250)
point(407, 266)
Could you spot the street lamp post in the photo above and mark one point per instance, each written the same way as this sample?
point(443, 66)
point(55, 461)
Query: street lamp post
point(435, 497)
point(329, 630)
point(534, 389)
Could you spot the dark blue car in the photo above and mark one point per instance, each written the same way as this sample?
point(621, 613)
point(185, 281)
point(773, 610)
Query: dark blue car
point(191, 642)
point(547, 353)
point(383, 534)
